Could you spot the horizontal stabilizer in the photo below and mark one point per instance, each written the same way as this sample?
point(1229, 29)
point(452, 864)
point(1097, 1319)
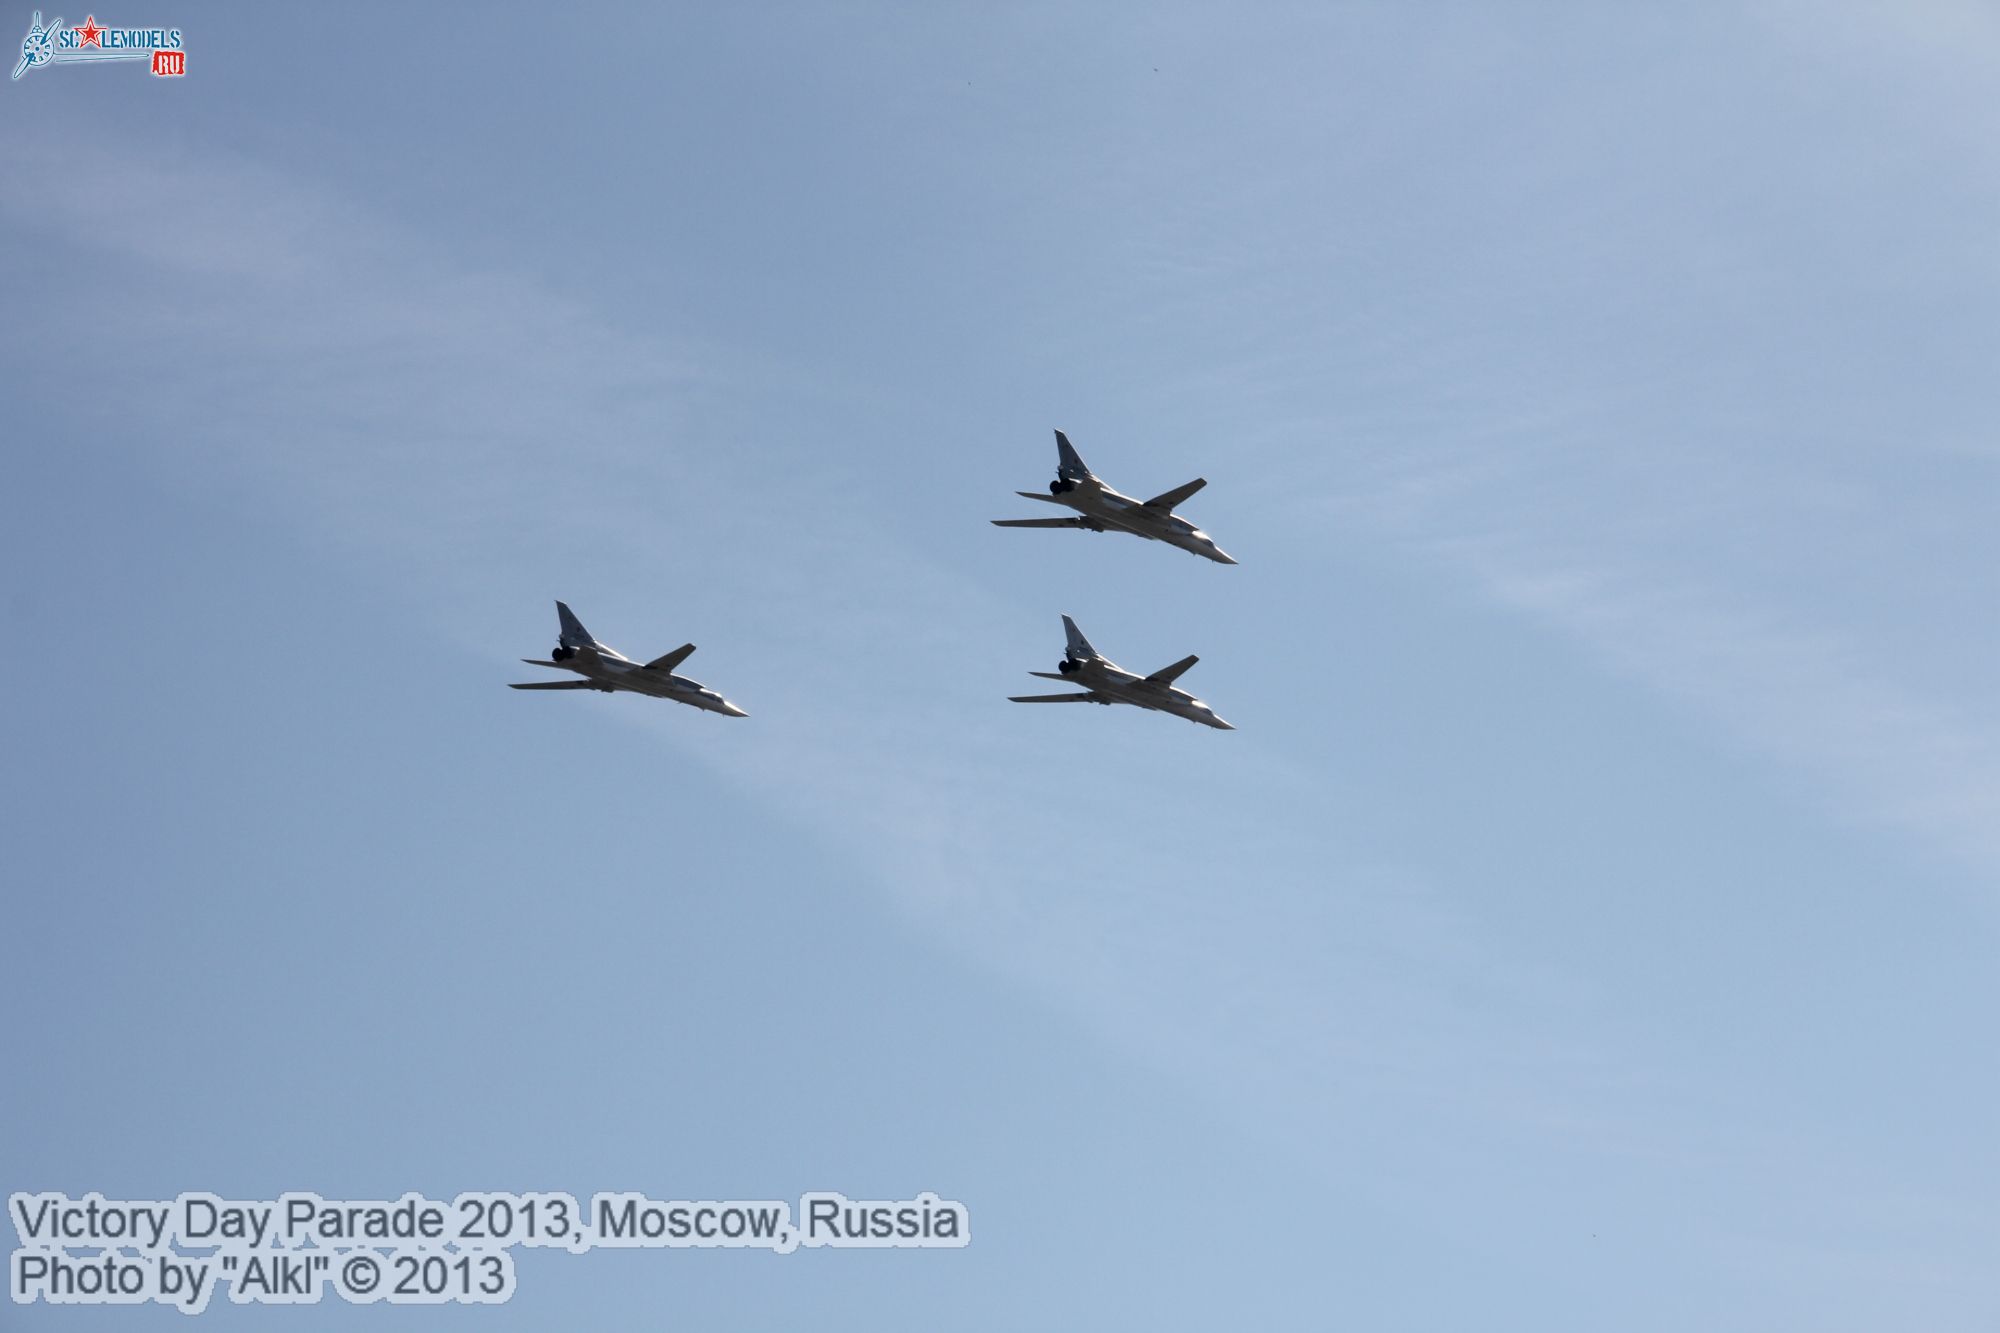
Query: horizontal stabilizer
point(1168, 675)
point(1055, 699)
point(672, 659)
point(1045, 499)
point(1040, 523)
point(536, 661)
point(562, 685)
point(1168, 499)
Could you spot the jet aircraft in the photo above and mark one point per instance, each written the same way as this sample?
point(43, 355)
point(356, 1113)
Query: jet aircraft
point(1109, 683)
point(1101, 509)
point(609, 670)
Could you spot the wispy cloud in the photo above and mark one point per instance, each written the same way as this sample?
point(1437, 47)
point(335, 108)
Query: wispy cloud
point(1808, 695)
point(440, 424)
point(428, 422)
point(441, 427)
point(1708, 394)
point(1836, 626)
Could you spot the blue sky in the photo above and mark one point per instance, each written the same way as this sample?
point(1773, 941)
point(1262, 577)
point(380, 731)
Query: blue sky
point(1590, 924)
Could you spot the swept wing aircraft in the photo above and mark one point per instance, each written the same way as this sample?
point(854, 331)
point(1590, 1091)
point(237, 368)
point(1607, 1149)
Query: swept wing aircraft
point(607, 669)
point(1109, 683)
point(1101, 509)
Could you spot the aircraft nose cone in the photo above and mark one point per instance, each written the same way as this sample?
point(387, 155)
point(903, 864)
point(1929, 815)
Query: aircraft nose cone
point(1219, 555)
point(732, 710)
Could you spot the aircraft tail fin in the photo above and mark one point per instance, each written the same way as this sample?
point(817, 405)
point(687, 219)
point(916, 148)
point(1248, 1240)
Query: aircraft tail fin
point(1079, 647)
point(1070, 465)
point(574, 635)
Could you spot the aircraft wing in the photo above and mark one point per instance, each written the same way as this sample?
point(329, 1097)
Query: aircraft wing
point(1052, 699)
point(672, 659)
point(1041, 522)
point(562, 685)
point(1168, 499)
point(1169, 674)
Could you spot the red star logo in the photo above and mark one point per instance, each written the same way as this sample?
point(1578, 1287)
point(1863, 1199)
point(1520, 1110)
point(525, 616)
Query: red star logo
point(89, 32)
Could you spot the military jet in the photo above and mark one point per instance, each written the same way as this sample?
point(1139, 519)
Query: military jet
point(609, 670)
point(1102, 509)
point(1110, 683)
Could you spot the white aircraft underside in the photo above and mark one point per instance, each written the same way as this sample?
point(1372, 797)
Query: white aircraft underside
point(606, 669)
point(1102, 509)
point(1109, 683)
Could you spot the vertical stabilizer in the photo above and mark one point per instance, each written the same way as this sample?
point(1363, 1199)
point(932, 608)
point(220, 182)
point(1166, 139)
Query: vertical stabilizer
point(574, 635)
point(1079, 647)
point(1069, 465)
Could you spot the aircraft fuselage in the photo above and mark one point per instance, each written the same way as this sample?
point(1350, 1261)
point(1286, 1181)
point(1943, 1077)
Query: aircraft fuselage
point(1114, 684)
point(1095, 501)
point(615, 671)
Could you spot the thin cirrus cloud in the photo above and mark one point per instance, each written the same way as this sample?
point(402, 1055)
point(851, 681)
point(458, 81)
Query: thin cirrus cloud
point(393, 378)
point(1763, 597)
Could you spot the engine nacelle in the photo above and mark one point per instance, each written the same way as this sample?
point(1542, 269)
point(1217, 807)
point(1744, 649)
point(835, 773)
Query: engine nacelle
point(1068, 666)
point(1061, 486)
point(562, 653)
